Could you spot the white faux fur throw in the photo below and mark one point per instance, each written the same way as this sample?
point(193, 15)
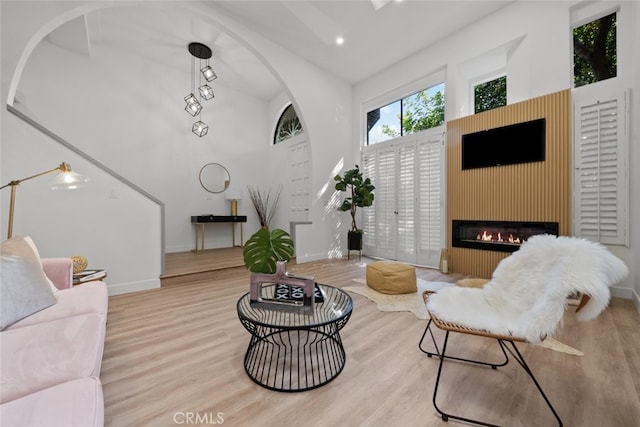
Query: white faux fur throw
point(527, 294)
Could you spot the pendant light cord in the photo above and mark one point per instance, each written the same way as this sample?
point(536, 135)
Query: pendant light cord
point(199, 93)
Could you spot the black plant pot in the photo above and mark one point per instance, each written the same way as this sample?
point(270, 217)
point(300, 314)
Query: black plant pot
point(354, 240)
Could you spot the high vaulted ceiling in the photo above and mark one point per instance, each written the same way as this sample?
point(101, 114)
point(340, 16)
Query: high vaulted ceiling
point(377, 33)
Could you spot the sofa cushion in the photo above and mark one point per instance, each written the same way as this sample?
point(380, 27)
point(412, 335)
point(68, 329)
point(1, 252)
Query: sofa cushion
point(36, 357)
point(73, 403)
point(59, 271)
point(91, 297)
point(26, 248)
point(23, 289)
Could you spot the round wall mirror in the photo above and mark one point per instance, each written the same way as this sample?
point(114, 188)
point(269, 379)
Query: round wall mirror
point(214, 178)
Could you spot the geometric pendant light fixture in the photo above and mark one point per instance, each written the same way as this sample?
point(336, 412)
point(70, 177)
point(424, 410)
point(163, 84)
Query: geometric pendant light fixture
point(194, 107)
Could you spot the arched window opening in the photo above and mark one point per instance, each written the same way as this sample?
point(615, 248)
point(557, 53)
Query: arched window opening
point(288, 125)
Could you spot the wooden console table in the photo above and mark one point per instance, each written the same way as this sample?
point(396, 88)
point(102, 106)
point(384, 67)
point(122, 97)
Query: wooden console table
point(199, 221)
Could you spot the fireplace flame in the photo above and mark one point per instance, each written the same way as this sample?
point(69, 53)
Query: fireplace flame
point(486, 237)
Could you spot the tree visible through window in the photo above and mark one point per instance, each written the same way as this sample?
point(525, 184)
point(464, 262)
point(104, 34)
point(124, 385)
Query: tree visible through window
point(422, 110)
point(594, 51)
point(288, 125)
point(419, 111)
point(490, 95)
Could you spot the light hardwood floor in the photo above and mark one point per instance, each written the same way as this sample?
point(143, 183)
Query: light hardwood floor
point(181, 267)
point(178, 351)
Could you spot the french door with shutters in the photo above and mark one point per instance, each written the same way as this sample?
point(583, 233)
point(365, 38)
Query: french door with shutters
point(405, 222)
point(380, 222)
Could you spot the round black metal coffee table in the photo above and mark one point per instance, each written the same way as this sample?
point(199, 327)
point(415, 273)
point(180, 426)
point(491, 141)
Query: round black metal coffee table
point(294, 350)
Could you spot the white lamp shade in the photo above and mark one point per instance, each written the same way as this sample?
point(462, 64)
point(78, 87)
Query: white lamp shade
point(68, 181)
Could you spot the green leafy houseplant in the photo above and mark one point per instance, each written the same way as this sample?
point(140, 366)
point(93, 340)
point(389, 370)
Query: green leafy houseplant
point(360, 193)
point(265, 248)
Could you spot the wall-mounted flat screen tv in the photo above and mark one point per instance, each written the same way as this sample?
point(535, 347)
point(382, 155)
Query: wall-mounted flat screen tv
point(507, 145)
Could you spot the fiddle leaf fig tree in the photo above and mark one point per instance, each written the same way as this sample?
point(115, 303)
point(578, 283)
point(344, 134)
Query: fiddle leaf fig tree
point(265, 248)
point(359, 192)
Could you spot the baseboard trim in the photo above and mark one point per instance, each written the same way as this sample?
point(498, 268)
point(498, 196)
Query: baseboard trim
point(126, 288)
point(178, 248)
point(309, 258)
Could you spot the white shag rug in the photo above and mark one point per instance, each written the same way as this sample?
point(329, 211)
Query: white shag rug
point(413, 302)
point(403, 302)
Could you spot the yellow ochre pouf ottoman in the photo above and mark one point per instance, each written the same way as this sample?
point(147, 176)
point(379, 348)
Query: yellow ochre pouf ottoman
point(390, 277)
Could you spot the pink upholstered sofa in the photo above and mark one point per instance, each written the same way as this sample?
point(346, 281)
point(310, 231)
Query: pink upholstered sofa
point(50, 361)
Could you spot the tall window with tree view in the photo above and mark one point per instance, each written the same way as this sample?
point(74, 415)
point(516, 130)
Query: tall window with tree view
point(595, 55)
point(419, 111)
point(490, 95)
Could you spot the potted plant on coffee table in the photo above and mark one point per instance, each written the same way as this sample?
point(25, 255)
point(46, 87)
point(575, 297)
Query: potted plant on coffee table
point(265, 248)
point(265, 255)
point(359, 195)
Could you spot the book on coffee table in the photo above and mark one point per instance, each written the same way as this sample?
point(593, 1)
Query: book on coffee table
point(285, 292)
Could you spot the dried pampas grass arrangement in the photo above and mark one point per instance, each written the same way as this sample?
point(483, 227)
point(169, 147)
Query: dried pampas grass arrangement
point(261, 201)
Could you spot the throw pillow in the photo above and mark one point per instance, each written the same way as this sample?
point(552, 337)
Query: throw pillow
point(26, 248)
point(23, 289)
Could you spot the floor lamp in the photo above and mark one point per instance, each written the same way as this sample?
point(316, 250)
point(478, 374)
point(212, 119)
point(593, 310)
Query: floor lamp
point(66, 179)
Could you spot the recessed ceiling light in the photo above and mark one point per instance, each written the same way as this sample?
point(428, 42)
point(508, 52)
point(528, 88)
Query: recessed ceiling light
point(339, 41)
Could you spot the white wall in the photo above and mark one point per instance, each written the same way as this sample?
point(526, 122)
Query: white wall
point(531, 39)
point(114, 227)
point(136, 126)
point(87, 221)
point(117, 111)
point(531, 42)
point(323, 103)
point(635, 156)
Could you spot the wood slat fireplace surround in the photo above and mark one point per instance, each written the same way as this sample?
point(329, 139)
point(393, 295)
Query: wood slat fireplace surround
point(528, 192)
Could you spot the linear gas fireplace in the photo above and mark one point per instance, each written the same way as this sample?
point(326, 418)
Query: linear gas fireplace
point(502, 236)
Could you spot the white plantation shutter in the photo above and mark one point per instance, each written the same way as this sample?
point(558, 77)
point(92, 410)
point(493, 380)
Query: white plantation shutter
point(405, 221)
point(430, 182)
point(385, 203)
point(369, 213)
point(405, 211)
point(601, 176)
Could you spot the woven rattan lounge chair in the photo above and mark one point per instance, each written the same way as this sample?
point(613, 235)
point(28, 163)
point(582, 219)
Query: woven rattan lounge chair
point(524, 302)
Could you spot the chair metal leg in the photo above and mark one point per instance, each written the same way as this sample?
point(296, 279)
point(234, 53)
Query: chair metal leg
point(439, 354)
point(518, 357)
point(444, 415)
point(433, 339)
point(505, 347)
